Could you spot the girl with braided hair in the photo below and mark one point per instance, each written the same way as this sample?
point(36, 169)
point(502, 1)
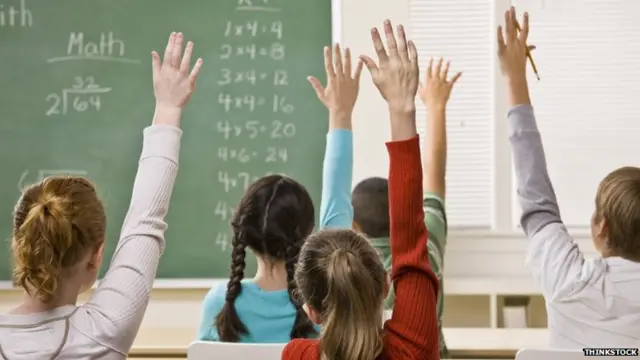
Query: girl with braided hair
point(273, 218)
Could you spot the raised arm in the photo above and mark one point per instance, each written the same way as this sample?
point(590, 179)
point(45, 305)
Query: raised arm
point(412, 331)
point(117, 307)
point(339, 96)
point(553, 256)
point(435, 95)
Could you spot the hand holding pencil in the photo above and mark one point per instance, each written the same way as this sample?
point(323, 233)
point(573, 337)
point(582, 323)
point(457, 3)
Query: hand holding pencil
point(513, 50)
point(529, 48)
point(513, 53)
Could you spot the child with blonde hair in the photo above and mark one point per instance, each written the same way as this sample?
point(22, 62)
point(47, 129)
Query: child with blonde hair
point(339, 275)
point(59, 237)
point(590, 302)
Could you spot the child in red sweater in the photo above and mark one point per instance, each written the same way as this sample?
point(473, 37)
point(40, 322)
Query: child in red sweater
point(339, 275)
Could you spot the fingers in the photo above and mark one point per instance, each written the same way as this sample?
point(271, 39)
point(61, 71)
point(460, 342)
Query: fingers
point(392, 45)
point(169, 49)
point(317, 86)
point(501, 44)
point(525, 28)
point(347, 62)
point(455, 78)
point(195, 71)
point(513, 35)
point(429, 68)
point(509, 26)
point(177, 51)
point(445, 72)
point(413, 54)
point(356, 74)
point(186, 58)
point(438, 70)
point(379, 47)
point(328, 63)
point(337, 60)
point(155, 63)
point(402, 44)
point(369, 63)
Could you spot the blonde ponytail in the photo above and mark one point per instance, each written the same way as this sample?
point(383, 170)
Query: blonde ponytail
point(352, 315)
point(51, 224)
point(341, 276)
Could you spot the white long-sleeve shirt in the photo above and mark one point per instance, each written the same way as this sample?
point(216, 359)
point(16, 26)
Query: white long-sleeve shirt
point(105, 327)
point(590, 302)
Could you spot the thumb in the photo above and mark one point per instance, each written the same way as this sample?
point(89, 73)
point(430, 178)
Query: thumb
point(531, 47)
point(369, 63)
point(317, 85)
point(155, 63)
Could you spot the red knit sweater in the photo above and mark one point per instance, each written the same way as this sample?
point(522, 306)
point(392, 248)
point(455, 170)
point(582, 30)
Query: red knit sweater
point(412, 331)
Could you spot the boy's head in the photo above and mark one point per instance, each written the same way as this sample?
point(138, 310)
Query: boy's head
point(615, 224)
point(370, 200)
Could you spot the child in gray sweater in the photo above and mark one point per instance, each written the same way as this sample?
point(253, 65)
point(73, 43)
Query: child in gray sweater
point(58, 241)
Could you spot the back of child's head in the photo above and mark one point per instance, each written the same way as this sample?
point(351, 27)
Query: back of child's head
point(618, 204)
point(340, 277)
point(273, 218)
point(370, 201)
point(57, 223)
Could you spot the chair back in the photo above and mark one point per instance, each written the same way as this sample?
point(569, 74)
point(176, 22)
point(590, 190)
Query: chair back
point(208, 350)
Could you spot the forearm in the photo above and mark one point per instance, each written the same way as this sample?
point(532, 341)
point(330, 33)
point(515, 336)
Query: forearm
point(535, 191)
point(335, 206)
point(435, 154)
point(403, 123)
point(518, 91)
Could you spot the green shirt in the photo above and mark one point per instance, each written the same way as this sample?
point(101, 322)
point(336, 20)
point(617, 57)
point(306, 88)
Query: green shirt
point(436, 221)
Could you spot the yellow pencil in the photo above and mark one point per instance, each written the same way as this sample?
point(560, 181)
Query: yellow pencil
point(533, 64)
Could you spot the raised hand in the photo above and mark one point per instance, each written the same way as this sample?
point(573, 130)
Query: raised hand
point(437, 87)
point(512, 52)
point(173, 84)
point(512, 46)
point(396, 74)
point(341, 91)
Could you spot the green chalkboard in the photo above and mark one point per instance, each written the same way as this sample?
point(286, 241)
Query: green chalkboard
point(77, 93)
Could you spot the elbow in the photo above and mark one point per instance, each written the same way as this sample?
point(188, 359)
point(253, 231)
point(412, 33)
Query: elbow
point(533, 222)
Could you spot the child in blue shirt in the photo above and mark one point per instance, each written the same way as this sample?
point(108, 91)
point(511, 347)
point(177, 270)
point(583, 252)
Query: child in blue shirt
point(273, 218)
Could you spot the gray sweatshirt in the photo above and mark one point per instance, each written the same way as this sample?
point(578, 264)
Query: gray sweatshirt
point(105, 327)
point(590, 302)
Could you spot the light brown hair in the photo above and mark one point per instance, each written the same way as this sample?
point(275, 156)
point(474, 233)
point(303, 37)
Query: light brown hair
point(55, 224)
point(618, 203)
point(340, 275)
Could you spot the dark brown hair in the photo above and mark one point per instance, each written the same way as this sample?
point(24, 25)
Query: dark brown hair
point(340, 275)
point(273, 218)
point(618, 203)
point(370, 201)
point(55, 224)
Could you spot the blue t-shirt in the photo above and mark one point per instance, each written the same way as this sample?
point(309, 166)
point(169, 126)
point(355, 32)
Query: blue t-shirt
point(268, 315)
